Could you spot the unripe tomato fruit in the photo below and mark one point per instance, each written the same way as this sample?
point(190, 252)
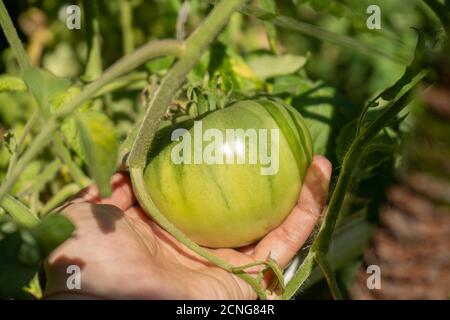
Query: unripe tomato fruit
point(232, 205)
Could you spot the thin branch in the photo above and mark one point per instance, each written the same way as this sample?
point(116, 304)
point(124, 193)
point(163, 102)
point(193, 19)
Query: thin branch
point(149, 51)
point(62, 152)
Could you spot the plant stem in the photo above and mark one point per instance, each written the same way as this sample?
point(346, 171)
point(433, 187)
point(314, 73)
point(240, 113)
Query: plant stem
point(127, 81)
point(441, 12)
point(351, 160)
point(349, 164)
point(151, 50)
point(62, 152)
point(328, 272)
point(94, 57)
point(62, 195)
point(128, 63)
point(147, 203)
point(20, 144)
point(18, 211)
point(126, 23)
point(13, 38)
point(321, 34)
point(43, 178)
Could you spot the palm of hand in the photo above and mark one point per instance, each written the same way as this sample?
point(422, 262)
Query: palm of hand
point(124, 254)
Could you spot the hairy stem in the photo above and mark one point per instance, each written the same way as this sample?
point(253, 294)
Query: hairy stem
point(328, 272)
point(196, 45)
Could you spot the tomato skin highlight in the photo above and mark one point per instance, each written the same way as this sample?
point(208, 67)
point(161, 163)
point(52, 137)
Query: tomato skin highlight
point(232, 205)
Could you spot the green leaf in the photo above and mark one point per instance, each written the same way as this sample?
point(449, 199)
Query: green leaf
point(53, 230)
point(22, 251)
point(159, 66)
point(411, 71)
point(69, 128)
point(100, 147)
point(267, 66)
point(324, 109)
point(11, 83)
point(270, 6)
point(44, 85)
point(16, 270)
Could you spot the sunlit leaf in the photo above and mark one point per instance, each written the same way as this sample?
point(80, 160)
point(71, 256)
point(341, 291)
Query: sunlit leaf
point(268, 66)
point(11, 83)
point(53, 230)
point(100, 147)
point(44, 85)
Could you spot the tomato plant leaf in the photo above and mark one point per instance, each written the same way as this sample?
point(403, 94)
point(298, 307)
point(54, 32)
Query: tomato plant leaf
point(53, 230)
point(23, 249)
point(44, 85)
point(19, 263)
point(11, 83)
point(100, 147)
point(268, 66)
point(324, 109)
point(411, 71)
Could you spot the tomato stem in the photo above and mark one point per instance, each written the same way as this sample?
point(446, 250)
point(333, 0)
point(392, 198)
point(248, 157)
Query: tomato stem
point(351, 160)
point(196, 45)
point(94, 57)
point(13, 38)
point(128, 63)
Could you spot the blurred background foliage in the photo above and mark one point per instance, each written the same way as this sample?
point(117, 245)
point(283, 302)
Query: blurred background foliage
point(305, 60)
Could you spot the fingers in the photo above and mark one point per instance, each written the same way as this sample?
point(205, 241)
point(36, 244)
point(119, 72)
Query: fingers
point(122, 195)
point(284, 242)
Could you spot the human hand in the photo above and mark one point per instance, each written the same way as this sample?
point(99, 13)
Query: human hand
point(123, 254)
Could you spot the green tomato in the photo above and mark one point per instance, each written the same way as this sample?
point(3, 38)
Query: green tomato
point(231, 203)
